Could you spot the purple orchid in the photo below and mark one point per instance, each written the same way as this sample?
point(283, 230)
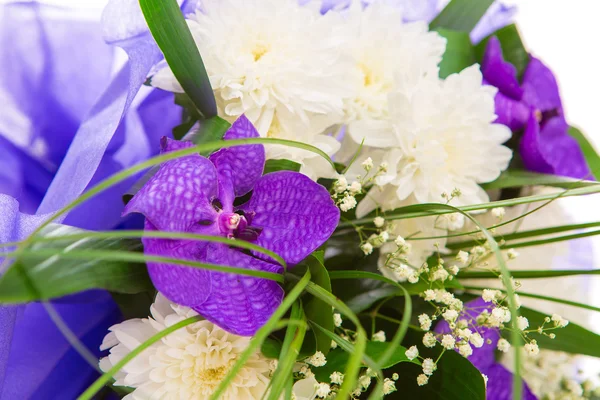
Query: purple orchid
point(287, 213)
point(534, 106)
point(499, 386)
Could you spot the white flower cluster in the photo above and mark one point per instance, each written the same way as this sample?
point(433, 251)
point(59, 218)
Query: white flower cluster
point(188, 363)
point(300, 75)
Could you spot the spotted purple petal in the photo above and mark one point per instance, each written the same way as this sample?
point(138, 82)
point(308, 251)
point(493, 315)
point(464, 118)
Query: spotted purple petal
point(242, 165)
point(178, 197)
point(540, 87)
point(484, 357)
point(183, 285)
point(296, 214)
point(500, 73)
point(499, 386)
point(550, 149)
point(240, 304)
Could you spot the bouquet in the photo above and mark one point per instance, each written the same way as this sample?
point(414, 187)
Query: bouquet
point(284, 199)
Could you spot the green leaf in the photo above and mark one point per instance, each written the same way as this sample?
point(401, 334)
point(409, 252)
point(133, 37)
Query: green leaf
point(455, 379)
point(459, 54)
point(461, 15)
point(519, 178)
point(363, 301)
point(512, 47)
point(170, 30)
point(316, 310)
point(590, 153)
point(36, 277)
point(572, 339)
point(208, 131)
point(281, 165)
point(337, 359)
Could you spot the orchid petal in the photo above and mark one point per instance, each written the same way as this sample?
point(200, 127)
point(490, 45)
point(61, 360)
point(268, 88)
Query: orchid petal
point(540, 87)
point(551, 150)
point(499, 387)
point(239, 304)
point(242, 165)
point(500, 73)
point(511, 113)
point(178, 197)
point(296, 214)
point(183, 285)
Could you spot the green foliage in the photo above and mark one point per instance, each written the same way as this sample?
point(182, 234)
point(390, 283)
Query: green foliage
point(461, 15)
point(40, 272)
point(590, 153)
point(570, 339)
point(455, 379)
point(281, 165)
point(316, 310)
point(459, 54)
point(519, 178)
point(168, 26)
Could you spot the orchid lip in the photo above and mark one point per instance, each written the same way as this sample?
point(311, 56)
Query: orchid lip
point(232, 224)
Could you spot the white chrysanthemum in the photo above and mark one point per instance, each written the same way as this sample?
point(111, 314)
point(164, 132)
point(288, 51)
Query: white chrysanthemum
point(380, 47)
point(187, 364)
point(440, 138)
point(278, 63)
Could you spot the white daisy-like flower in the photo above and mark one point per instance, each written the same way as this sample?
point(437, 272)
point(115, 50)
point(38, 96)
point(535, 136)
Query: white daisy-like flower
point(381, 46)
point(277, 62)
point(440, 138)
point(188, 363)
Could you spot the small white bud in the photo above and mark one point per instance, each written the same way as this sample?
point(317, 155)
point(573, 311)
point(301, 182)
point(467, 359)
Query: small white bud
point(522, 323)
point(379, 221)
point(367, 248)
point(532, 348)
point(429, 340)
point(367, 164)
point(422, 380)
point(341, 185)
point(512, 254)
point(503, 345)
point(476, 340)
point(389, 386)
point(465, 350)
point(412, 353)
point(448, 342)
point(337, 320)
point(337, 378)
point(318, 359)
point(429, 366)
point(425, 322)
point(323, 390)
point(355, 188)
point(559, 321)
point(379, 336)
point(462, 257)
point(498, 212)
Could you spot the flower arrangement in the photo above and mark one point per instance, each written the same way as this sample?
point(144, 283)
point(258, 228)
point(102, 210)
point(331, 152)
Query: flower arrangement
point(288, 199)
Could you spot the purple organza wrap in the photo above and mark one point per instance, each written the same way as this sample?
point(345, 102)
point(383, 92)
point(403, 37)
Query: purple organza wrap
point(286, 213)
point(71, 125)
point(534, 106)
point(499, 386)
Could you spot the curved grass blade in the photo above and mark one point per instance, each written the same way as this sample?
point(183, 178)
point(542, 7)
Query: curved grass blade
point(171, 32)
point(262, 333)
point(428, 209)
point(160, 235)
point(534, 274)
point(546, 298)
point(121, 176)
